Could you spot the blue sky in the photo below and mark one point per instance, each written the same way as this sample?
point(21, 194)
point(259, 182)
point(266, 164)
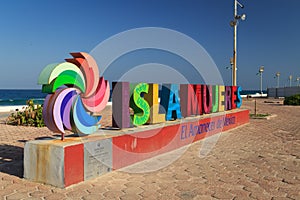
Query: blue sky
point(37, 33)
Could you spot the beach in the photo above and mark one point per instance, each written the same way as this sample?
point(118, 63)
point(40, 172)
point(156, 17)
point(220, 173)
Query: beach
point(7, 110)
point(259, 160)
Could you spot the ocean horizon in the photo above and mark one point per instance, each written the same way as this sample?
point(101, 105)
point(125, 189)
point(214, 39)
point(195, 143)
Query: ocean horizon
point(18, 97)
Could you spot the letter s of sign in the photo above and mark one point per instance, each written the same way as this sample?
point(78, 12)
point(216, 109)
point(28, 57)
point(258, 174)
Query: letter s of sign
point(142, 108)
point(239, 98)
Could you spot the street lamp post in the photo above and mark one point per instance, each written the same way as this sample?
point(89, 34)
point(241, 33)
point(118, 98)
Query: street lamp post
point(298, 79)
point(290, 78)
point(231, 64)
point(234, 24)
point(260, 72)
point(277, 75)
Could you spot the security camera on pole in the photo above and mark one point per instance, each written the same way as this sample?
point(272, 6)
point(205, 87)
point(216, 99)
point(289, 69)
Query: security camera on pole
point(234, 24)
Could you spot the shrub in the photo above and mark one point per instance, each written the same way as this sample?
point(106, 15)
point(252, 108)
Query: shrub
point(292, 100)
point(31, 116)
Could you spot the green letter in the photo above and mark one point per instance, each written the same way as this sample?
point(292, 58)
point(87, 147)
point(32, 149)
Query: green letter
point(139, 105)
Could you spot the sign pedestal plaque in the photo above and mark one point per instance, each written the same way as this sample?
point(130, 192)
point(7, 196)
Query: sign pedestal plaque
point(97, 158)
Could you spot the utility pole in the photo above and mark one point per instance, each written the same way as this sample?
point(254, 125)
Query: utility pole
point(234, 24)
point(234, 46)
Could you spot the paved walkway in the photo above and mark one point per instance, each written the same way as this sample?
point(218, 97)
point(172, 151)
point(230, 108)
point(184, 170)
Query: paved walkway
point(260, 160)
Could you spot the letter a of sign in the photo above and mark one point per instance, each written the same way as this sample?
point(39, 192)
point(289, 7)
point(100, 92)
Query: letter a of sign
point(170, 101)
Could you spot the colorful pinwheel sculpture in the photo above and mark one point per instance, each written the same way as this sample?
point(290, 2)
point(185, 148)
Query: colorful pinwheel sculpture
point(76, 95)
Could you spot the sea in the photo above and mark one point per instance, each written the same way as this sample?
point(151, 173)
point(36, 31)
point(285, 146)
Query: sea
point(16, 97)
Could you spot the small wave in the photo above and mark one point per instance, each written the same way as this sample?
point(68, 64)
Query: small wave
point(39, 99)
point(10, 102)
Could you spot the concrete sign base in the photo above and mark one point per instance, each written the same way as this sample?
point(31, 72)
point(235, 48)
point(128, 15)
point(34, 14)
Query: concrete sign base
point(76, 159)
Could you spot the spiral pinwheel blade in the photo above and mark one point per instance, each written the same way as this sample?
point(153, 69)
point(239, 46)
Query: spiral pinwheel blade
point(75, 94)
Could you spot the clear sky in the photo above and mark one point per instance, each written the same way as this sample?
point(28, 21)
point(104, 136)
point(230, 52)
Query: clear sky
point(35, 33)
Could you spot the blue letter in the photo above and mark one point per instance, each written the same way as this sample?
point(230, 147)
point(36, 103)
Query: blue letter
point(170, 101)
point(239, 98)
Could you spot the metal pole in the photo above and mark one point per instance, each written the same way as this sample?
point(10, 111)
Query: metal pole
point(261, 83)
point(231, 78)
point(231, 66)
point(277, 81)
point(255, 108)
point(234, 46)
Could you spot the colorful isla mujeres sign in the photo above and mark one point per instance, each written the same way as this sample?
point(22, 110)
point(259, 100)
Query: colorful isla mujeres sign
point(77, 95)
